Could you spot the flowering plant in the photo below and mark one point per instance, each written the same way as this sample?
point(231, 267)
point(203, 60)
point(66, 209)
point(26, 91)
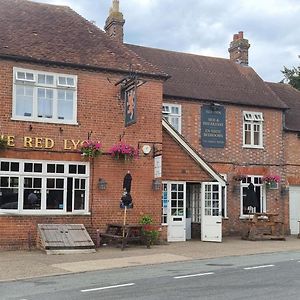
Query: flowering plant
point(3, 143)
point(123, 151)
point(90, 148)
point(239, 177)
point(271, 178)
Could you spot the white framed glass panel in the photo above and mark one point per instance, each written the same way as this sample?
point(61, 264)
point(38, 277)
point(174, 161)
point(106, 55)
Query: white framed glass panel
point(51, 98)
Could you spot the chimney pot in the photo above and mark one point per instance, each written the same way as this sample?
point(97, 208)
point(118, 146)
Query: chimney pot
point(238, 49)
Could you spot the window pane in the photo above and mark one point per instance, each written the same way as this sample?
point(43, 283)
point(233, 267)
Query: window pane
point(50, 168)
point(24, 100)
point(65, 104)
point(81, 169)
point(79, 200)
point(45, 103)
point(14, 167)
point(55, 199)
point(32, 199)
point(38, 168)
point(60, 169)
point(28, 167)
point(4, 166)
point(8, 198)
point(72, 169)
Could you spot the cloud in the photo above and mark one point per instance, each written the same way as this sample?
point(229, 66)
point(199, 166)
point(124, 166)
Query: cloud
point(206, 27)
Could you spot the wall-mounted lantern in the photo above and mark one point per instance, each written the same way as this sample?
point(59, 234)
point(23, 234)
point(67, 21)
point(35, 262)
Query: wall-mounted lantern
point(284, 190)
point(156, 184)
point(102, 184)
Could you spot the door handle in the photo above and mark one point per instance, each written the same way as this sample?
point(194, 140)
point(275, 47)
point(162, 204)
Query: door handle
point(218, 222)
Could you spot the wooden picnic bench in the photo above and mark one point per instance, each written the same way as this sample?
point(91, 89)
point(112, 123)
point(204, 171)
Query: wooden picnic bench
point(263, 226)
point(123, 234)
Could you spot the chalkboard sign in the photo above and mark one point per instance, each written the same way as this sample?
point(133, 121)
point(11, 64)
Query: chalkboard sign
point(213, 126)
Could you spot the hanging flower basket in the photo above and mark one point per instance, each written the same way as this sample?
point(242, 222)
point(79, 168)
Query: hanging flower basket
point(123, 151)
point(271, 181)
point(3, 144)
point(90, 149)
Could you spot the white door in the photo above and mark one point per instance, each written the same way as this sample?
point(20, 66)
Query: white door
point(294, 209)
point(176, 211)
point(211, 212)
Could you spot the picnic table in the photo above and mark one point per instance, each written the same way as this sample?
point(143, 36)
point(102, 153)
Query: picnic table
point(263, 226)
point(123, 234)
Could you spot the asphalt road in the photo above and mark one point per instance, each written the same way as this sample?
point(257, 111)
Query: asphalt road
point(266, 276)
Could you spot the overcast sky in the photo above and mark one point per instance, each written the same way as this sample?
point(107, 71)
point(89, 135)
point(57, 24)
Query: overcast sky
point(206, 27)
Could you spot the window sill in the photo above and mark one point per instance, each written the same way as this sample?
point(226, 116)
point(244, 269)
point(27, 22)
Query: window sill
point(253, 147)
point(45, 121)
point(42, 213)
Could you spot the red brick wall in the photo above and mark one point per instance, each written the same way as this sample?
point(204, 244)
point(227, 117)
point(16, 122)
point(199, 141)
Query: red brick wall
point(234, 159)
point(178, 165)
point(101, 111)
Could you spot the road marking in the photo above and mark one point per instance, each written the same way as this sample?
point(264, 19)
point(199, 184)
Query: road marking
point(193, 275)
point(107, 287)
point(259, 267)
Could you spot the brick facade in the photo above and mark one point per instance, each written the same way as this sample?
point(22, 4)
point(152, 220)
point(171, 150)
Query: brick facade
point(101, 112)
point(235, 159)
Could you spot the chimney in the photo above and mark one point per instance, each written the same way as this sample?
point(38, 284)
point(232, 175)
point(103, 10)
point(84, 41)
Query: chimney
point(238, 49)
point(115, 22)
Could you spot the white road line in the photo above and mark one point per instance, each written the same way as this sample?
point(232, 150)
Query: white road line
point(193, 275)
point(259, 267)
point(107, 287)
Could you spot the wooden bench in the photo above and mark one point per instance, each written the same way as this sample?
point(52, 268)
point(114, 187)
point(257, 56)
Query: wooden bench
point(263, 226)
point(123, 234)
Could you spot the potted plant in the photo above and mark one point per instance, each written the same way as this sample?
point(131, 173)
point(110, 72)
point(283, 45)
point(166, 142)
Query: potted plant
point(3, 143)
point(271, 181)
point(90, 149)
point(150, 231)
point(123, 151)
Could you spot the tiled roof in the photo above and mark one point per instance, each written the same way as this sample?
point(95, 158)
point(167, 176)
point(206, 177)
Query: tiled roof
point(58, 34)
point(209, 78)
point(291, 97)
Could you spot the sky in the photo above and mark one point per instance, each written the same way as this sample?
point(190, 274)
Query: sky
point(206, 27)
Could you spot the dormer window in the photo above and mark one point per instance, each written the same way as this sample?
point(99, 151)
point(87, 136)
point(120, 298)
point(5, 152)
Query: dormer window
point(172, 113)
point(253, 129)
point(44, 97)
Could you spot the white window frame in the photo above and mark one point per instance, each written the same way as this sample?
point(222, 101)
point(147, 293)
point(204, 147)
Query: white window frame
point(55, 87)
point(252, 120)
point(224, 197)
point(256, 180)
point(21, 174)
point(169, 116)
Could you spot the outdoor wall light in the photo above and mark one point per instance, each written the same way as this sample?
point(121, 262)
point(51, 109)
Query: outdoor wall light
point(284, 190)
point(156, 184)
point(102, 184)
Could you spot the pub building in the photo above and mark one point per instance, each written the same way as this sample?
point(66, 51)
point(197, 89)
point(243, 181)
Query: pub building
point(196, 131)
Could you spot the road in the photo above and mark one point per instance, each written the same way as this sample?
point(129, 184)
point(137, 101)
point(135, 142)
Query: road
point(266, 276)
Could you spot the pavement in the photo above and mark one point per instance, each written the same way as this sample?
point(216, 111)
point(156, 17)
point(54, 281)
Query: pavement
point(15, 265)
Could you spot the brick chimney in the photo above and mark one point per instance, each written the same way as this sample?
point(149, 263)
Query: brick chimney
point(238, 49)
point(115, 22)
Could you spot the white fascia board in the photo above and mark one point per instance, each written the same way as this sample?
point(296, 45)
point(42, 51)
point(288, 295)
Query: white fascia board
point(192, 152)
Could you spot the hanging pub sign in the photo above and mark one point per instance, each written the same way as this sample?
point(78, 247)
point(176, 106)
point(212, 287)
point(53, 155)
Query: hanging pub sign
point(130, 104)
point(129, 87)
point(213, 126)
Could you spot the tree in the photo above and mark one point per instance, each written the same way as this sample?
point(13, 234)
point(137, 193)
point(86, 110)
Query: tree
point(292, 76)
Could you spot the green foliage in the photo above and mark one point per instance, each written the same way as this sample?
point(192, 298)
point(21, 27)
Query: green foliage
point(292, 77)
point(146, 219)
point(3, 143)
point(152, 235)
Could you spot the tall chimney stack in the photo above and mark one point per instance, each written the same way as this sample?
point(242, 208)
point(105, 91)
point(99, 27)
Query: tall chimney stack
point(115, 22)
point(238, 49)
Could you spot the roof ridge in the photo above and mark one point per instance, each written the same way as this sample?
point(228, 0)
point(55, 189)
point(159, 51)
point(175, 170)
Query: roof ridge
point(180, 52)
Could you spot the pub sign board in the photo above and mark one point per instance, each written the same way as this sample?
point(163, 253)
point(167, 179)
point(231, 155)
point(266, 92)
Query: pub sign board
point(130, 104)
point(213, 126)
